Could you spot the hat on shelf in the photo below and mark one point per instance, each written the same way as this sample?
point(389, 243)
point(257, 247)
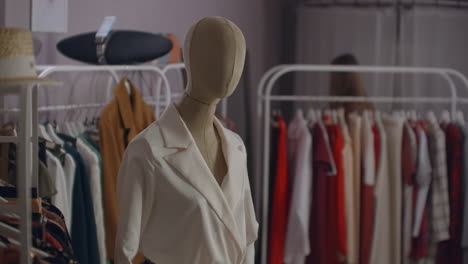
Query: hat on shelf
point(17, 64)
point(121, 47)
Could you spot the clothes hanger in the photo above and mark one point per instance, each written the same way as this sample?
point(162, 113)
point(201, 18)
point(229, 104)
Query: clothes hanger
point(460, 118)
point(333, 169)
point(431, 117)
point(53, 135)
point(128, 86)
point(445, 117)
point(42, 132)
point(311, 116)
point(13, 235)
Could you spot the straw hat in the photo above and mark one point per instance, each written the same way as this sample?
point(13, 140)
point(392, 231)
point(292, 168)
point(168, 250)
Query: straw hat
point(17, 65)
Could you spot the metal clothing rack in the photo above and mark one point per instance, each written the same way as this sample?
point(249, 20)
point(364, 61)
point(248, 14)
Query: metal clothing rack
point(27, 139)
point(46, 70)
point(265, 98)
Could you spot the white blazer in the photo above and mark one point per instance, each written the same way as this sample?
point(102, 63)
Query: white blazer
point(171, 207)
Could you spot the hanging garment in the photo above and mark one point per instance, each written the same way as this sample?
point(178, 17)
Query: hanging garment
point(69, 169)
point(355, 125)
point(335, 211)
point(60, 200)
point(120, 121)
point(408, 169)
point(84, 235)
point(280, 202)
point(465, 196)
point(394, 132)
point(367, 188)
point(93, 171)
point(423, 178)
point(339, 144)
point(350, 210)
point(171, 207)
point(380, 250)
point(318, 227)
point(450, 251)
point(297, 244)
point(439, 197)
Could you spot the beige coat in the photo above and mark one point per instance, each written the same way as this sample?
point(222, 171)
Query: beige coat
point(172, 208)
point(386, 247)
point(353, 192)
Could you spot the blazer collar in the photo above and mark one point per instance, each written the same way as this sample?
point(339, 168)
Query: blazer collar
point(130, 112)
point(189, 162)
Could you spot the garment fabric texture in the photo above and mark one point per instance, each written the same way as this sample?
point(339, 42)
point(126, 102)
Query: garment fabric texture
point(335, 229)
point(367, 188)
point(465, 196)
point(423, 180)
point(297, 244)
point(350, 211)
point(280, 202)
point(84, 235)
point(355, 126)
point(70, 169)
point(93, 171)
point(120, 121)
point(60, 200)
point(420, 232)
point(338, 146)
point(439, 193)
point(380, 250)
point(178, 213)
point(449, 251)
point(318, 227)
point(409, 155)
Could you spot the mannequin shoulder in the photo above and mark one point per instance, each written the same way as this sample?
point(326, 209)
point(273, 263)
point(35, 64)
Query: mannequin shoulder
point(148, 143)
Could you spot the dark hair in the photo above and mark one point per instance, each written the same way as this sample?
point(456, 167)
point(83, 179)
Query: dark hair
point(347, 84)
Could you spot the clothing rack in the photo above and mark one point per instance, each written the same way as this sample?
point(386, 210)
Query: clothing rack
point(46, 70)
point(27, 139)
point(25, 146)
point(265, 98)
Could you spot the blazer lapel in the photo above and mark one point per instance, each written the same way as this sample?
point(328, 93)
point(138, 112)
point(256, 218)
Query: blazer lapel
point(235, 156)
point(189, 162)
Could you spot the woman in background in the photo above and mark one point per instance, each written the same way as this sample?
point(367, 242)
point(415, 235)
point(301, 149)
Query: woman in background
point(348, 84)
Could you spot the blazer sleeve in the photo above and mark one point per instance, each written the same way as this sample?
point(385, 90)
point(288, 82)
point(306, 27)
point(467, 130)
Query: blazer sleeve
point(251, 224)
point(135, 200)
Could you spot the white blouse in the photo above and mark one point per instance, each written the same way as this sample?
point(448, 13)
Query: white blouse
point(171, 207)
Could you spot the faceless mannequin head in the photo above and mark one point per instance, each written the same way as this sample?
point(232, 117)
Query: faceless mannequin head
point(214, 55)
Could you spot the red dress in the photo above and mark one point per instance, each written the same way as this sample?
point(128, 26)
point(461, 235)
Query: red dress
point(336, 214)
point(279, 214)
point(319, 225)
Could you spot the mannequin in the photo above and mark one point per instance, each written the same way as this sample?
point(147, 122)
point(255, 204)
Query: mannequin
point(214, 57)
point(183, 187)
